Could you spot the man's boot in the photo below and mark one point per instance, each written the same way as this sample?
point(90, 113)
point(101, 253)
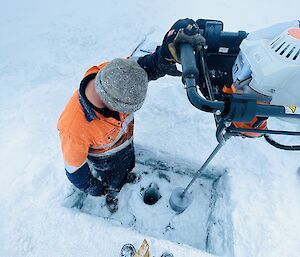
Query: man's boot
point(112, 202)
point(131, 178)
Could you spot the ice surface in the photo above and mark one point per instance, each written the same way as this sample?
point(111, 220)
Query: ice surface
point(45, 48)
point(159, 220)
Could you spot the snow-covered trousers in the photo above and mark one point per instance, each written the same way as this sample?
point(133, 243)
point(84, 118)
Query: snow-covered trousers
point(113, 169)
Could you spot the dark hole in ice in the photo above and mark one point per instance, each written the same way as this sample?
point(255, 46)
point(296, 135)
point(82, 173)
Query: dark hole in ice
point(151, 194)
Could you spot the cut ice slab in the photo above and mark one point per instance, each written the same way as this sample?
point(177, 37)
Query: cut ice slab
point(160, 173)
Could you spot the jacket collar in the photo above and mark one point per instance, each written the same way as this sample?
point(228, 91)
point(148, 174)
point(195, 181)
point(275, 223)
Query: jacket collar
point(88, 108)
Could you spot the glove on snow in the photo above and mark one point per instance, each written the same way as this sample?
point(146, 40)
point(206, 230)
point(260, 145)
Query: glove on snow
point(86, 182)
point(185, 31)
point(95, 188)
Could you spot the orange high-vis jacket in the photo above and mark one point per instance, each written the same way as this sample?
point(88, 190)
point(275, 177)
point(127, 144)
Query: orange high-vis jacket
point(101, 136)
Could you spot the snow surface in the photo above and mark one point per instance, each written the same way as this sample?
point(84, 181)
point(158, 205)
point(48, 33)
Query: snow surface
point(45, 47)
point(157, 220)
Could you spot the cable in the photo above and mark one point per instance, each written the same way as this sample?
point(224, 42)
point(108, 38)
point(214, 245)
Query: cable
point(280, 146)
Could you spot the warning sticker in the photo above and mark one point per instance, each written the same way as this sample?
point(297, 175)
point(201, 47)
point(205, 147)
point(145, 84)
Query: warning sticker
point(223, 50)
point(293, 108)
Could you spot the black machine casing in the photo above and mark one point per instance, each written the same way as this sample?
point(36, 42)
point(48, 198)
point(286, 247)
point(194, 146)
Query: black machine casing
point(220, 53)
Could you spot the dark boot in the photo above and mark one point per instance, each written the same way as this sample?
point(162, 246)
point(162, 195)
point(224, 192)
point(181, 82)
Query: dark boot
point(112, 202)
point(127, 250)
point(131, 178)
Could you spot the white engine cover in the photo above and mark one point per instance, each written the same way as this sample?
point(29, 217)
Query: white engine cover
point(274, 66)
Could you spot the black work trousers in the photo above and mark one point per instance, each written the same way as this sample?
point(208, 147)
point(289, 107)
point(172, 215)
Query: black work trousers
point(113, 169)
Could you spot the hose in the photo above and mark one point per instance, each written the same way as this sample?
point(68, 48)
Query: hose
point(280, 146)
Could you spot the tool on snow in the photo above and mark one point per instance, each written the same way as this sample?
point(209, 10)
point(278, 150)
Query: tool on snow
point(266, 72)
point(144, 250)
point(128, 250)
point(141, 43)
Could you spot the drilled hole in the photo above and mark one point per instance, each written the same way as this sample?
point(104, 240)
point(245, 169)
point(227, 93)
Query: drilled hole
point(151, 195)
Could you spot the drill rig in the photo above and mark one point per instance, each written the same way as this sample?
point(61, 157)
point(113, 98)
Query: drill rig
point(242, 81)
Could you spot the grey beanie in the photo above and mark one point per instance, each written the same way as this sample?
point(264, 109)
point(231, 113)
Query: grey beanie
point(122, 85)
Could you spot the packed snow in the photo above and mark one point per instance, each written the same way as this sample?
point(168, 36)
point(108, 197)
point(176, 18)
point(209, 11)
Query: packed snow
point(45, 48)
point(157, 220)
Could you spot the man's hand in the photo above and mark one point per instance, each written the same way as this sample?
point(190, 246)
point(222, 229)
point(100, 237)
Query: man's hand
point(163, 60)
point(86, 182)
point(96, 187)
point(183, 31)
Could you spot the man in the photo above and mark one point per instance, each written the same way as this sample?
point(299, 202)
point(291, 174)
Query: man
point(96, 127)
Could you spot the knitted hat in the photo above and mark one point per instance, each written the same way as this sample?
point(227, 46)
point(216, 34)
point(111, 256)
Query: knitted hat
point(122, 85)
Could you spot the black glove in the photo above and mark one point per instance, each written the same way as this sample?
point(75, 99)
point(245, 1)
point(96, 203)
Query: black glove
point(185, 31)
point(156, 66)
point(86, 182)
point(95, 187)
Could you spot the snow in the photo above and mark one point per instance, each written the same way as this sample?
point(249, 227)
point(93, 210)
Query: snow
point(45, 49)
point(158, 220)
